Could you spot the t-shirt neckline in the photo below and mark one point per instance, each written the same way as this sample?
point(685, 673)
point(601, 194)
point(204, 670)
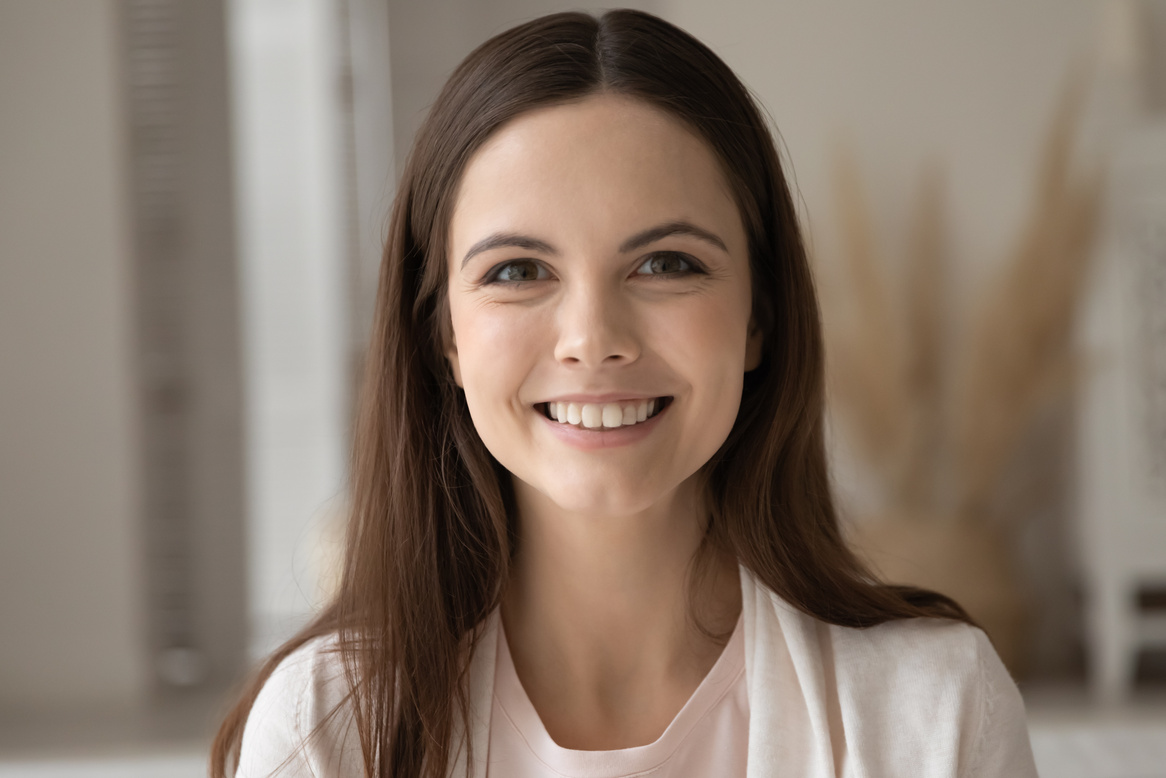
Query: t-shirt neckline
point(517, 707)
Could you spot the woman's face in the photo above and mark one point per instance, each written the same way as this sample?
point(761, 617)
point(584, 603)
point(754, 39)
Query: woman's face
point(600, 298)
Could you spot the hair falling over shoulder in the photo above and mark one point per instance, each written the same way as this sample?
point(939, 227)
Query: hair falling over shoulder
point(431, 531)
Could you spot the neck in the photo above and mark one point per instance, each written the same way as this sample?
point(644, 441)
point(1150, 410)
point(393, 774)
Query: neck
point(598, 613)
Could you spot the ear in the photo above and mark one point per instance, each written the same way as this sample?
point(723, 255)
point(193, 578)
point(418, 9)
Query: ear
point(753, 347)
point(454, 364)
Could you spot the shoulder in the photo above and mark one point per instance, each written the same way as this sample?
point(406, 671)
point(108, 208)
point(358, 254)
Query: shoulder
point(913, 684)
point(924, 697)
point(301, 724)
point(913, 660)
point(908, 650)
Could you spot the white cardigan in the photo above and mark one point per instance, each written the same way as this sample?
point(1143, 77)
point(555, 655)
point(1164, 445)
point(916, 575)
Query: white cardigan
point(914, 698)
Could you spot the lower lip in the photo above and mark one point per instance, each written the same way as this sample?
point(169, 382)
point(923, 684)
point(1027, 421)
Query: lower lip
point(602, 437)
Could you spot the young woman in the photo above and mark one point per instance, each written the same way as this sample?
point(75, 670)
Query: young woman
point(592, 532)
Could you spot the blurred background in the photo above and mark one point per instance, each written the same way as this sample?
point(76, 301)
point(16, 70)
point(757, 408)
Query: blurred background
point(192, 201)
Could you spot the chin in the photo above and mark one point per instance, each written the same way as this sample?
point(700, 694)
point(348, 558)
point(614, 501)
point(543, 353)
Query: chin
point(604, 496)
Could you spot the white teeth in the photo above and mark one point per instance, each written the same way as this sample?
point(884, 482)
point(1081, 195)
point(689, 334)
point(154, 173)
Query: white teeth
point(607, 415)
point(592, 416)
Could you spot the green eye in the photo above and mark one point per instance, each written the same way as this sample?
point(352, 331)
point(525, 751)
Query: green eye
point(666, 264)
point(518, 271)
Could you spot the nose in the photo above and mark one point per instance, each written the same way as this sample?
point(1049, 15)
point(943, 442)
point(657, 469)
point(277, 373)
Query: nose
point(596, 328)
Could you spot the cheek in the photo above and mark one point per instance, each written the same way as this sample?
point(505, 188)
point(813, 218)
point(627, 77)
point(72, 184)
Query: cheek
point(705, 346)
point(495, 353)
point(708, 343)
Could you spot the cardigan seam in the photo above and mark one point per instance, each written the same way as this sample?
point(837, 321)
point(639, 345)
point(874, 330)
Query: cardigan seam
point(984, 708)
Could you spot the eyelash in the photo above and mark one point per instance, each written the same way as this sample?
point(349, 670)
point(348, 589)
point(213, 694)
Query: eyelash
point(693, 268)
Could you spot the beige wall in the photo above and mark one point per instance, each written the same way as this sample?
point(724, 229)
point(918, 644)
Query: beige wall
point(70, 594)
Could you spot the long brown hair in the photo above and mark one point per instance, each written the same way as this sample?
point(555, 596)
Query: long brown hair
point(432, 527)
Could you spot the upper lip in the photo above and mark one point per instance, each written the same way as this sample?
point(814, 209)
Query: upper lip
point(599, 399)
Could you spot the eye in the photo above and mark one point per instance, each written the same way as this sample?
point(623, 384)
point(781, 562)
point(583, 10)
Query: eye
point(517, 272)
point(667, 263)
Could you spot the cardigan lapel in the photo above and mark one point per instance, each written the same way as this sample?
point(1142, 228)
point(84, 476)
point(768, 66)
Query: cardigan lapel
point(789, 733)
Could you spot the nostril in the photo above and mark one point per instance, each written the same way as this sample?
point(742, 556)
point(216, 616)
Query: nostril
point(591, 351)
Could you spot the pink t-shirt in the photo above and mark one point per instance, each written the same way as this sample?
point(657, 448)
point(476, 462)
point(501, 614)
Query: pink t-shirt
point(709, 736)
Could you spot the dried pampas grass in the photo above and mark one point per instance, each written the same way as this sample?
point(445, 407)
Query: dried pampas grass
point(1019, 356)
point(885, 344)
point(938, 425)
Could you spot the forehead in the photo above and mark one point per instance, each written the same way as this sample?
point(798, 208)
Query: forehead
point(594, 171)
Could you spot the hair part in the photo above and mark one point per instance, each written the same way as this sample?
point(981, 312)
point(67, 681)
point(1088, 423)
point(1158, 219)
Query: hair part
point(432, 530)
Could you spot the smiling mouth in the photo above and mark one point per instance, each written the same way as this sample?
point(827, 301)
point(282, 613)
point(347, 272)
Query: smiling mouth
point(595, 416)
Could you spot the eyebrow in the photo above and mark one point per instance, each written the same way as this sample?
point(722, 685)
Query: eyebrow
point(507, 240)
point(641, 239)
point(637, 241)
